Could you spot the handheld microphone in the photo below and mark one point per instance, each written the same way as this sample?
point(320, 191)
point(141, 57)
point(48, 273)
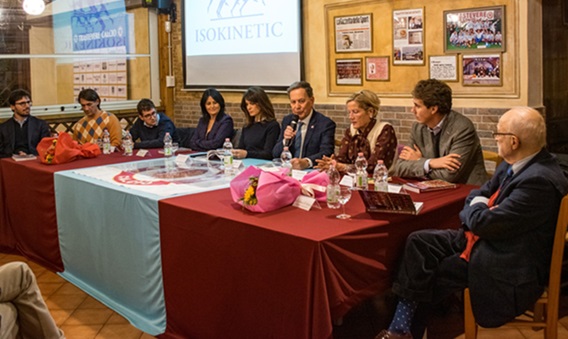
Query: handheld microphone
point(294, 125)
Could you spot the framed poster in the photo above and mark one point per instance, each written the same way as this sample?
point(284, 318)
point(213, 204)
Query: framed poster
point(475, 30)
point(353, 33)
point(377, 68)
point(348, 71)
point(408, 37)
point(443, 67)
point(481, 70)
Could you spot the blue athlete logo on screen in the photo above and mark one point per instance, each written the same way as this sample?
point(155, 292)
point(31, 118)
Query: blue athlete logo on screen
point(232, 9)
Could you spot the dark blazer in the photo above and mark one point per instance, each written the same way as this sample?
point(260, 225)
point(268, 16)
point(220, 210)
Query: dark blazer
point(222, 129)
point(146, 137)
point(318, 141)
point(509, 264)
point(37, 130)
point(458, 136)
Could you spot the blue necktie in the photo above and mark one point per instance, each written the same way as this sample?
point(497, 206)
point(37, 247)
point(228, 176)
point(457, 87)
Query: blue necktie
point(298, 141)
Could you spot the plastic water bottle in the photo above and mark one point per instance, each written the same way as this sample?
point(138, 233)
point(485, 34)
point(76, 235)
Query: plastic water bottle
point(168, 145)
point(106, 142)
point(381, 177)
point(127, 144)
point(333, 187)
point(286, 158)
point(361, 174)
point(228, 157)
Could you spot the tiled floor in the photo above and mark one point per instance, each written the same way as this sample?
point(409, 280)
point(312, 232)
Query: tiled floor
point(76, 313)
point(82, 317)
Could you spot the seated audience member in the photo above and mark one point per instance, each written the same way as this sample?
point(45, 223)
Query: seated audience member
point(443, 143)
point(21, 133)
point(312, 137)
point(502, 251)
point(151, 127)
point(214, 126)
point(367, 134)
point(261, 130)
point(23, 313)
point(90, 127)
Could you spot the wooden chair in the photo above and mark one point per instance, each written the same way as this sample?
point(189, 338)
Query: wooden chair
point(492, 160)
point(546, 308)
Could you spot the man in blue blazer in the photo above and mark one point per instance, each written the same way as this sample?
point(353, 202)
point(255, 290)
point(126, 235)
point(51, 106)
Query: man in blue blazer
point(502, 251)
point(308, 134)
point(21, 133)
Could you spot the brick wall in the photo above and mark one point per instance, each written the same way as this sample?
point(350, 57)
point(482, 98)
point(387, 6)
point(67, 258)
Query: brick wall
point(485, 119)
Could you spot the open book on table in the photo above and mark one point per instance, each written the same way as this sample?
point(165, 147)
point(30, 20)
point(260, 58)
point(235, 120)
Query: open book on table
point(387, 202)
point(25, 157)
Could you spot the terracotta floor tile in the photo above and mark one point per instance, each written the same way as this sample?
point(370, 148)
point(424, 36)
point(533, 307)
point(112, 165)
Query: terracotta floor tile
point(49, 276)
point(89, 316)
point(81, 331)
point(69, 288)
point(116, 318)
point(48, 288)
point(60, 316)
point(91, 302)
point(119, 331)
point(65, 301)
point(147, 336)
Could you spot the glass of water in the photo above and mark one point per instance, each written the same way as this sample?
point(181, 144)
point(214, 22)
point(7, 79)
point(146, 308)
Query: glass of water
point(343, 198)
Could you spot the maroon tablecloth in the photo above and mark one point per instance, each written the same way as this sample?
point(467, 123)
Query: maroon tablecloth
point(28, 223)
point(284, 274)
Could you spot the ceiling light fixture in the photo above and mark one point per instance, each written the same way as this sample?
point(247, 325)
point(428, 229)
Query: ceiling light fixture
point(34, 7)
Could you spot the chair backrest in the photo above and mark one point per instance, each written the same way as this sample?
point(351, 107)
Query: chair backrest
point(184, 135)
point(492, 160)
point(557, 259)
point(236, 137)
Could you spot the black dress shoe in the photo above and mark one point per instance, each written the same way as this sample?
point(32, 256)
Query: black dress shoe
point(385, 334)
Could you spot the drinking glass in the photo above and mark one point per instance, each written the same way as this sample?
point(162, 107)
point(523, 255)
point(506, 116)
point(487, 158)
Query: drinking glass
point(343, 198)
point(175, 147)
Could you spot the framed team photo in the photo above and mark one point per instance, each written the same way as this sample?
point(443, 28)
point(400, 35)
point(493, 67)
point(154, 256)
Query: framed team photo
point(482, 70)
point(475, 30)
point(348, 72)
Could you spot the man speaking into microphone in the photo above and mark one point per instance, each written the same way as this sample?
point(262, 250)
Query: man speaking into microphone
point(308, 134)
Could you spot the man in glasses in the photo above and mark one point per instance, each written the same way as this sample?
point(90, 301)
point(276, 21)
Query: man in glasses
point(503, 248)
point(150, 128)
point(443, 143)
point(20, 134)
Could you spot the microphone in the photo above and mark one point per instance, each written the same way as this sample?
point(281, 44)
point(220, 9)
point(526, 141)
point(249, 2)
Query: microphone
point(294, 125)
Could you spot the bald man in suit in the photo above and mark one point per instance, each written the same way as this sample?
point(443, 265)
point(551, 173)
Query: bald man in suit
point(443, 143)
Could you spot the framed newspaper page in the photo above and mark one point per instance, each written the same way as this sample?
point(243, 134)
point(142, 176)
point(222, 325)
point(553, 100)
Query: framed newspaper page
point(475, 30)
point(377, 68)
point(408, 36)
point(348, 71)
point(443, 67)
point(481, 70)
point(353, 33)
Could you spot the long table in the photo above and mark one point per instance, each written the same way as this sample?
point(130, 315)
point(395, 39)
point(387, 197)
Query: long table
point(284, 274)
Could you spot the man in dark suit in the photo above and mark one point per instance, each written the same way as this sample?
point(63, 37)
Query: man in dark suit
point(21, 133)
point(443, 143)
point(312, 137)
point(502, 251)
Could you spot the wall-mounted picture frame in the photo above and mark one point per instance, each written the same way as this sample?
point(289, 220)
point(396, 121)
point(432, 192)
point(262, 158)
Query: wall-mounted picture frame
point(475, 30)
point(408, 36)
point(377, 68)
point(348, 71)
point(353, 33)
point(482, 70)
point(443, 67)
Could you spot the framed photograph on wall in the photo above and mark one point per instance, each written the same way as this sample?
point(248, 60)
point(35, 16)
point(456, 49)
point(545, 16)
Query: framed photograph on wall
point(475, 30)
point(408, 36)
point(353, 33)
point(377, 68)
point(482, 70)
point(348, 72)
point(443, 67)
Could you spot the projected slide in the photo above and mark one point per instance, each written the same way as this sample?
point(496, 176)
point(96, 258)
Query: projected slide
point(240, 43)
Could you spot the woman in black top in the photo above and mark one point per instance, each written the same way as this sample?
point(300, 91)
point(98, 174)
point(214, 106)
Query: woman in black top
point(214, 126)
point(261, 131)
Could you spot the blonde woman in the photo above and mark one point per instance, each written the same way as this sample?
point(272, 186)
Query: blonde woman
point(367, 134)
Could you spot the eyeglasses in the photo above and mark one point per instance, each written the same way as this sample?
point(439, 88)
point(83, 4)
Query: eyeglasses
point(146, 116)
point(495, 134)
point(24, 103)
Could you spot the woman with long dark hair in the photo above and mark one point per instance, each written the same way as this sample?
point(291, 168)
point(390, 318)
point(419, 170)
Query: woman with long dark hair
point(214, 125)
point(261, 131)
